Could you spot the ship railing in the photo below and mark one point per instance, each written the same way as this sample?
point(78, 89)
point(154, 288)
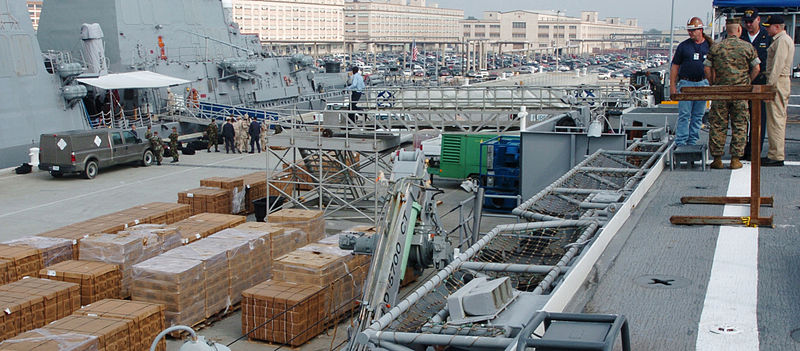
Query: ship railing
point(139, 116)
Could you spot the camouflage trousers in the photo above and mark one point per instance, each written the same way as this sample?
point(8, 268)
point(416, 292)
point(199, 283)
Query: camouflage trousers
point(723, 112)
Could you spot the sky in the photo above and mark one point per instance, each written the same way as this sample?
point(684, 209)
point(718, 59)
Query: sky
point(651, 13)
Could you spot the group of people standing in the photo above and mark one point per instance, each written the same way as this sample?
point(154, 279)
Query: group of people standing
point(754, 56)
point(157, 144)
point(237, 134)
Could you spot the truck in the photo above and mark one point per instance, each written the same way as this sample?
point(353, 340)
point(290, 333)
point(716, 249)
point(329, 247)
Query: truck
point(87, 151)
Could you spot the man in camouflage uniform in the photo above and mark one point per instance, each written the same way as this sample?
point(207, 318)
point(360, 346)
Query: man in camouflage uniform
point(242, 126)
point(156, 145)
point(211, 132)
point(148, 133)
point(730, 62)
point(173, 145)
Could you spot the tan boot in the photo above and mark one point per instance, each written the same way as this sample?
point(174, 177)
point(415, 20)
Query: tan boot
point(717, 164)
point(735, 164)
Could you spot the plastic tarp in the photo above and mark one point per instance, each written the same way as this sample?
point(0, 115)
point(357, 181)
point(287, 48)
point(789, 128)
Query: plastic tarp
point(133, 80)
point(756, 3)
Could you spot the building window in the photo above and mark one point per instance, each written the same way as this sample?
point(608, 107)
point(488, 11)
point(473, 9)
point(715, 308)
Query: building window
point(518, 25)
point(544, 35)
point(494, 26)
point(518, 35)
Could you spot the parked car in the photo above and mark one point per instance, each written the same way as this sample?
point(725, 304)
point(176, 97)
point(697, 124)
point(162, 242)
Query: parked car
point(87, 151)
point(604, 75)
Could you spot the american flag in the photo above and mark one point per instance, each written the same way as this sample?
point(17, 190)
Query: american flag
point(414, 51)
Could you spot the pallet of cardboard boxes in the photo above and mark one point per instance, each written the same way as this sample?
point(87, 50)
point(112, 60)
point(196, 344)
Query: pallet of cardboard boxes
point(202, 225)
point(206, 200)
point(31, 303)
point(22, 261)
point(147, 319)
point(51, 340)
point(98, 280)
point(234, 186)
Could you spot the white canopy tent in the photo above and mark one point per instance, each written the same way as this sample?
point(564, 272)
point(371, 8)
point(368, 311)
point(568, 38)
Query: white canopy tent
point(133, 80)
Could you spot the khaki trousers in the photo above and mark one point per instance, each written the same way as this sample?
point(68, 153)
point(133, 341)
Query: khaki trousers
point(776, 119)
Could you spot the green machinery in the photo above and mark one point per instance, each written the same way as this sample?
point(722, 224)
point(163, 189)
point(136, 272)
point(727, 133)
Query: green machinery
point(460, 156)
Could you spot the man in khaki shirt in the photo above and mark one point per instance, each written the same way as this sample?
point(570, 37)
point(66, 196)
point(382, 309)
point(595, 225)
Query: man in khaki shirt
point(779, 69)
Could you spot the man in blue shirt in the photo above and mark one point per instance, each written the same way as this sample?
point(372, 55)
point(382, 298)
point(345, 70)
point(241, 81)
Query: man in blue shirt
point(754, 34)
point(356, 89)
point(687, 71)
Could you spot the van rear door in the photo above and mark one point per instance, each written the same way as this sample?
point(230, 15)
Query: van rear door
point(55, 149)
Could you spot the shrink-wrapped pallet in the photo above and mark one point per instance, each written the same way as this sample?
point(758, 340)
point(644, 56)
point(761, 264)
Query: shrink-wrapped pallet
point(202, 225)
point(233, 185)
point(260, 266)
point(23, 261)
point(122, 250)
point(206, 200)
point(283, 312)
point(147, 318)
point(282, 239)
point(310, 221)
point(216, 274)
point(50, 340)
point(156, 238)
point(98, 280)
point(243, 260)
point(112, 334)
point(59, 298)
point(19, 312)
point(54, 250)
point(176, 283)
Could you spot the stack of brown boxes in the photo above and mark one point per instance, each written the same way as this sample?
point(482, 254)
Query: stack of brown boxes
point(235, 186)
point(50, 340)
point(202, 225)
point(310, 221)
point(54, 250)
point(156, 212)
point(206, 200)
point(323, 265)
point(216, 275)
point(282, 239)
point(260, 258)
point(124, 250)
point(24, 261)
point(60, 299)
point(20, 312)
point(5, 275)
point(147, 318)
point(156, 238)
point(98, 280)
point(243, 258)
point(286, 313)
point(112, 334)
point(255, 185)
point(174, 282)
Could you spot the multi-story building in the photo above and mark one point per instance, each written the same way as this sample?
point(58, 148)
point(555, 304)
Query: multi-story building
point(384, 24)
point(35, 10)
point(548, 30)
point(308, 25)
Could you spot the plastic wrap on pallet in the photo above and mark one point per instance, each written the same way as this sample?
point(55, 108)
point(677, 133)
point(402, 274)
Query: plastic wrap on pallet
point(54, 250)
point(24, 261)
point(50, 340)
point(174, 282)
point(202, 225)
point(157, 238)
point(241, 257)
point(310, 221)
point(112, 334)
point(260, 267)
point(216, 275)
point(60, 299)
point(284, 312)
point(98, 280)
point(147, 318)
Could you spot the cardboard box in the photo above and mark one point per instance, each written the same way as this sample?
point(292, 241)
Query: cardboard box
point(216, 273)
point(202, 225)
point(50, 340)
point(19, 312)
point(176, 283)
point(260, 266)
point(54, 250)
point(206, 200)
point(60, 299)
point(255, 185)
point(5, 274)
point(233, 185)
point(112, 334)
point(290, 313)
point(24, 261)
point(310, 221)
point(98, 280)
point(147, 318)
point(243, 261)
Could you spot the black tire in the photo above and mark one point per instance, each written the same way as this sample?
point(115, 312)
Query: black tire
point(147, 158)
point(91, 169)
point(56, 174)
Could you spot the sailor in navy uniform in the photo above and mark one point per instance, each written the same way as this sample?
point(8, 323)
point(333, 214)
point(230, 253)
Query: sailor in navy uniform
point(755, 34)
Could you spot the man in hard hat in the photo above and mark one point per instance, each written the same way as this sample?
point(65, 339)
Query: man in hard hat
point(779, 70)
point(754, 34)
point(730, 62)
point(687, 71)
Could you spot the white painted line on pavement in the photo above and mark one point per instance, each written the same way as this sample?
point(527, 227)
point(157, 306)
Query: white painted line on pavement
point(729, 320)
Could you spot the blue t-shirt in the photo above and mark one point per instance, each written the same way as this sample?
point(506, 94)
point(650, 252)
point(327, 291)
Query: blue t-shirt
point(690, 56)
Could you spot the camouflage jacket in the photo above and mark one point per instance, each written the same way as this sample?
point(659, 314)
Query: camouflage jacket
point(212, 130)
point(732, 60)
point(173, 139)
point(156, 143)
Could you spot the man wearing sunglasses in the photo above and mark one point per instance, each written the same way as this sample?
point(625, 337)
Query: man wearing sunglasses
point(687, 71)
point(756, 35)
